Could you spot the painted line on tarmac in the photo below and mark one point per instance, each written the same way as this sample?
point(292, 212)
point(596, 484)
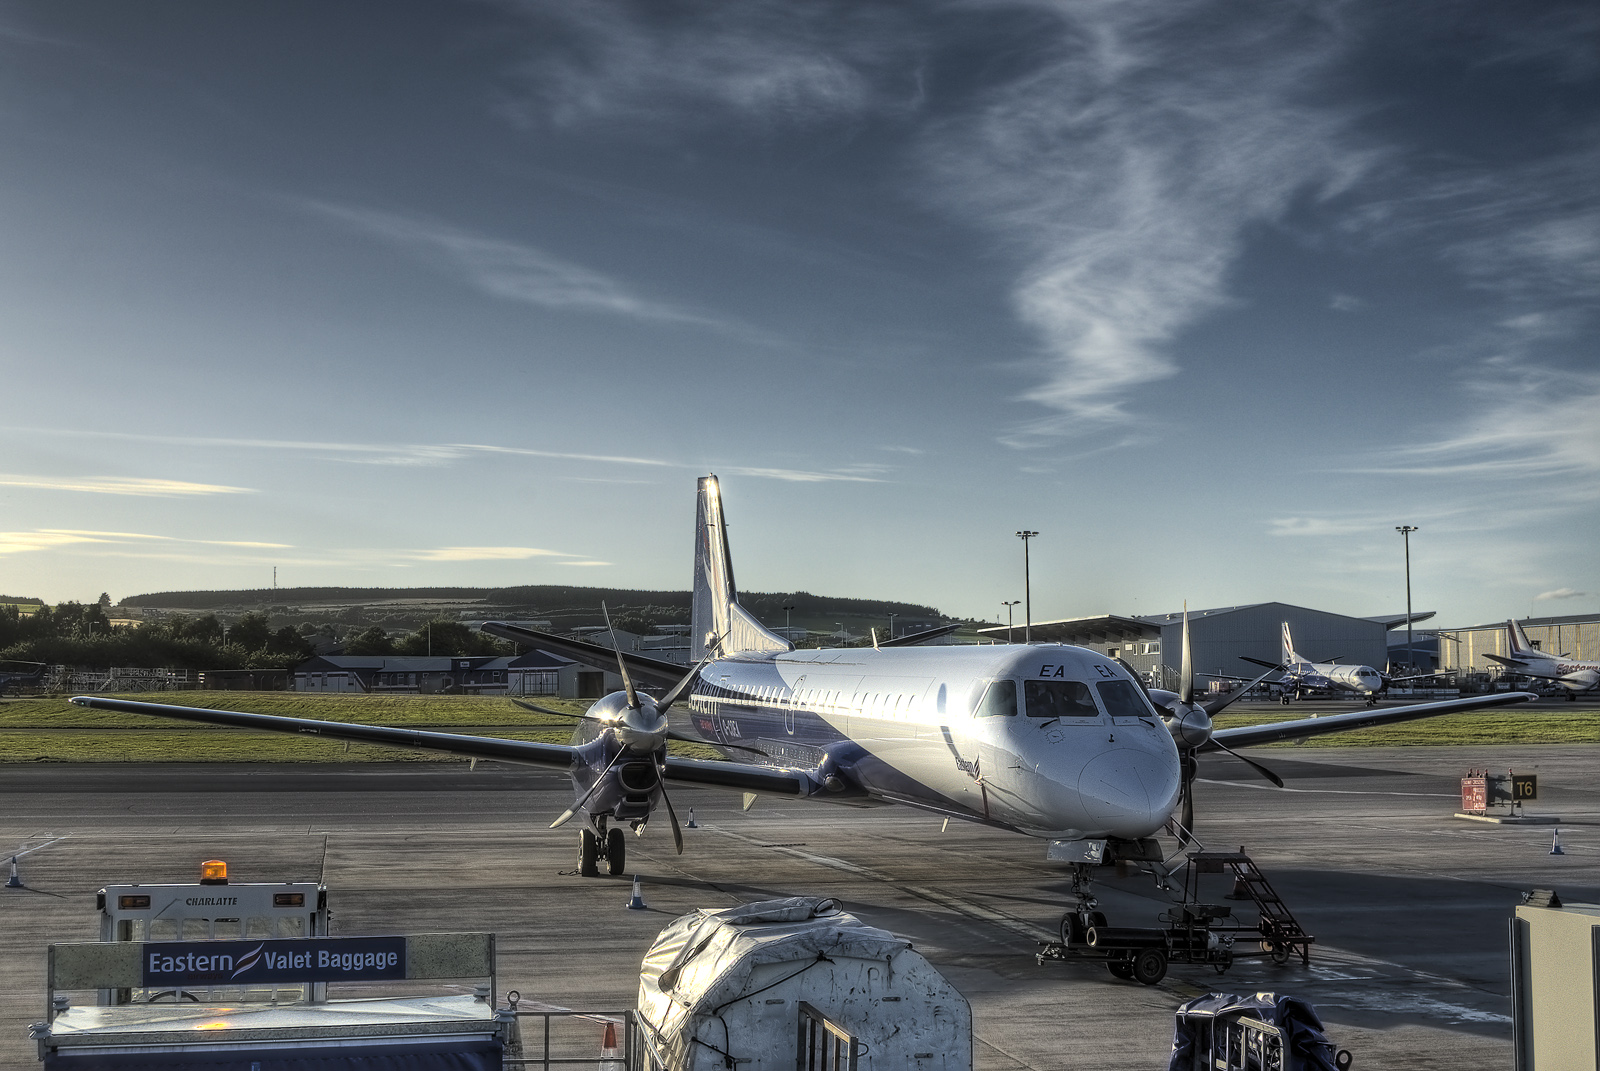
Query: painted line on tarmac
point(1330, 791)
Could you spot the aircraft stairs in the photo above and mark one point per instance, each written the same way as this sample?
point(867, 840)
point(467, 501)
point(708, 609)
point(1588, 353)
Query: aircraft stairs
point(1280, 933)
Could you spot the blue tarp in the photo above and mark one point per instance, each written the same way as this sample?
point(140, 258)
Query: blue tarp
point(1307, 1048)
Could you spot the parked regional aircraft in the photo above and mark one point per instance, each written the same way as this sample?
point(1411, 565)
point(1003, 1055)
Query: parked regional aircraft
point(1301, 675)
point(1528, 661)
point(1051, 741)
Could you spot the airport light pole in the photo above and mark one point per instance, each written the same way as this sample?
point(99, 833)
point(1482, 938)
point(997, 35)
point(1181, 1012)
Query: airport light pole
point(1008, 606)
point(891, 625)
point(1027, 590)
point(787, 634)
point(1405, 531)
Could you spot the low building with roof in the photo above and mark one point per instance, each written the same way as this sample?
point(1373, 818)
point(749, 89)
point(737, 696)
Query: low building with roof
point(1220, 637)
point(531, 673)
point(1465, 650)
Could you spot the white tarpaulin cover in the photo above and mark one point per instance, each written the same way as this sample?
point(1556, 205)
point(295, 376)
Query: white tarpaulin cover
point(730, 982)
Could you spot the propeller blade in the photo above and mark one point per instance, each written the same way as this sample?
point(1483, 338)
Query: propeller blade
point(681, 689)
point(672, 815)
point(557, 713)
point(566, 816)
point(1252, 763)
point(622, 666)
point(691, 740)
point(1186, 673)
point(1216, 705)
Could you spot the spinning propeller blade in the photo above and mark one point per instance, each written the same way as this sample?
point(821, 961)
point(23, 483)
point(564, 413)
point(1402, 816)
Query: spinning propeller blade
point(566, 815)
point(1186, 673)
point(1252, 763)
point(555, 713)
point(1217, 705)
point(622, 666)
point(672, 815)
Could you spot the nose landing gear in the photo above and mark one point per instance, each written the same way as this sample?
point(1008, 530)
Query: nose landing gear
point(608, 843)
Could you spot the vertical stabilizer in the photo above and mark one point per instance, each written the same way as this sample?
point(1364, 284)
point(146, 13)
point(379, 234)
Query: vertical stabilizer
point(718, 624)
point(1519, 641)
point(1289, 657)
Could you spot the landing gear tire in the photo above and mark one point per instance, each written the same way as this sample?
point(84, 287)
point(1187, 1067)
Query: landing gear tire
point(1071, 930)
point(1286, 699)
point(1149, 966)
point(588, 854)
point(1120, 968)
point(1280, 953)
point(616, 852)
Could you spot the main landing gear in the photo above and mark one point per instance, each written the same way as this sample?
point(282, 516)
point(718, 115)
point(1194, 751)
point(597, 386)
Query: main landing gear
point(610, 844)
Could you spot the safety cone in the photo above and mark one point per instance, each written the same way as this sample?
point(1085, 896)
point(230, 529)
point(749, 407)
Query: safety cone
point(637, 903)
point(1240, 890)
point(691, 823)
point(14, 882)
point(610, 1051)
point(1555, 846)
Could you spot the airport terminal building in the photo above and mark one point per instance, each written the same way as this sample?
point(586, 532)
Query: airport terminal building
point(1218, 638)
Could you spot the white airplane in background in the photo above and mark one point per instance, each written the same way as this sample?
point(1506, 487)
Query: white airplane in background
point(1055, 742)
point(1301, 675)
point(1528, 661)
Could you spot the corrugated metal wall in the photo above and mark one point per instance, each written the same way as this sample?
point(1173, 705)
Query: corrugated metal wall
point(1219, 639)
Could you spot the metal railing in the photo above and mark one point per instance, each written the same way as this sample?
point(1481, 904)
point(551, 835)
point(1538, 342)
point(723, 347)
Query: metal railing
point(553, 1038)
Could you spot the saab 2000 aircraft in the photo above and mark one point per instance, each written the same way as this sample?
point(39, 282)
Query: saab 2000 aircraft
point(1050, 741)
point(1301, 675)
point(1528, 661)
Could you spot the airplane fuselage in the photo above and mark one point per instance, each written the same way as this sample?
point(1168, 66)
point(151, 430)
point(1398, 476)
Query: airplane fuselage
point(1048, 740)
point(1363, 680)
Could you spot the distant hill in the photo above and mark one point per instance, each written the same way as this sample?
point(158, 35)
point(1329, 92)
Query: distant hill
point(534, 599)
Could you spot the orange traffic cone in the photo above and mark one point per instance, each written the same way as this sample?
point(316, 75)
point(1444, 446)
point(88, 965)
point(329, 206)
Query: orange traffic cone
point(610, 1051)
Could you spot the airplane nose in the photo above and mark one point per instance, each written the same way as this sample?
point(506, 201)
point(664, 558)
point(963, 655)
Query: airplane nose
point(1132, 791)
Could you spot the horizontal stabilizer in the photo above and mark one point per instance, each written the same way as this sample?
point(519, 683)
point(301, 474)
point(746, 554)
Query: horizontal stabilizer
point(919, 637)
point(653, 672)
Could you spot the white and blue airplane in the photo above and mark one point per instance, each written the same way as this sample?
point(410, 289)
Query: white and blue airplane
point(1054, 742)
point(1301, 675)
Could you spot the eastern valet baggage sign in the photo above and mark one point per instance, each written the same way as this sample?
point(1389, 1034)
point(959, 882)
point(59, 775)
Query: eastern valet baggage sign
point(295, 959)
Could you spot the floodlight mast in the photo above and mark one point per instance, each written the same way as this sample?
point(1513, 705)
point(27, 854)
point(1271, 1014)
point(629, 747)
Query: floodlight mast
point(1027, 591)
point(1405, 531)
point(1008, 606)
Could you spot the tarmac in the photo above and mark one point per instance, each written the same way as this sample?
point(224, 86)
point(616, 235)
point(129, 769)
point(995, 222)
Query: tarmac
point(1408, 904)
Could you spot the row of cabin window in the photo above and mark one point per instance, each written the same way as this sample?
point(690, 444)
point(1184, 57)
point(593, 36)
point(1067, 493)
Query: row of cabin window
point(810, 699)
point(1062, 699)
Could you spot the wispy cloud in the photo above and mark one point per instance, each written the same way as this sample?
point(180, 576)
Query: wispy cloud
point(759, 60)
point(122, 485)
point(56, 538)
point(517, 272)
point(1123, 170)
point(799, 475)
point(1559, 593)
point(483, 554)
point(1318, 526)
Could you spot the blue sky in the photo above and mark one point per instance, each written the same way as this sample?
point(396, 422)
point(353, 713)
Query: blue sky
point(1212, 295)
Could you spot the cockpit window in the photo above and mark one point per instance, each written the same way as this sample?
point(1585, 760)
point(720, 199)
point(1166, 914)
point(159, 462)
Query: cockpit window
point(1122, 700)
point(999, 701)
point(1059, 699)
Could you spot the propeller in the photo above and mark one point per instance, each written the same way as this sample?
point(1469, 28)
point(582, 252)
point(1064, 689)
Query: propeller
point(1190, 724)
point(566, 815)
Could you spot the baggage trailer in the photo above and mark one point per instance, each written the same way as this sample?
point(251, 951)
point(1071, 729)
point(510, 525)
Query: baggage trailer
point(173, 1028)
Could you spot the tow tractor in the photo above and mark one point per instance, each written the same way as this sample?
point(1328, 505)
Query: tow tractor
point(1191, 931)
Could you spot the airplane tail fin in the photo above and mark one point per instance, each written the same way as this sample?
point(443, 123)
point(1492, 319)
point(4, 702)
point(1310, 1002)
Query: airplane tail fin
point(718, 624)
point(1519, 640)
point(1289, 656)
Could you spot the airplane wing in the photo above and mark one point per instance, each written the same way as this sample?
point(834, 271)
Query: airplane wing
point(1242, 680)
point(482, 747)
point(919, 637)
point(777, 781)
point(1417, 677)
point(1250, 735)
point(650, 671)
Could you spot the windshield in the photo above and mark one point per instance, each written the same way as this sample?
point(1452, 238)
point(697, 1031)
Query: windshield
point(999, 701)
point(1122, 700)
point(1059, 699)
